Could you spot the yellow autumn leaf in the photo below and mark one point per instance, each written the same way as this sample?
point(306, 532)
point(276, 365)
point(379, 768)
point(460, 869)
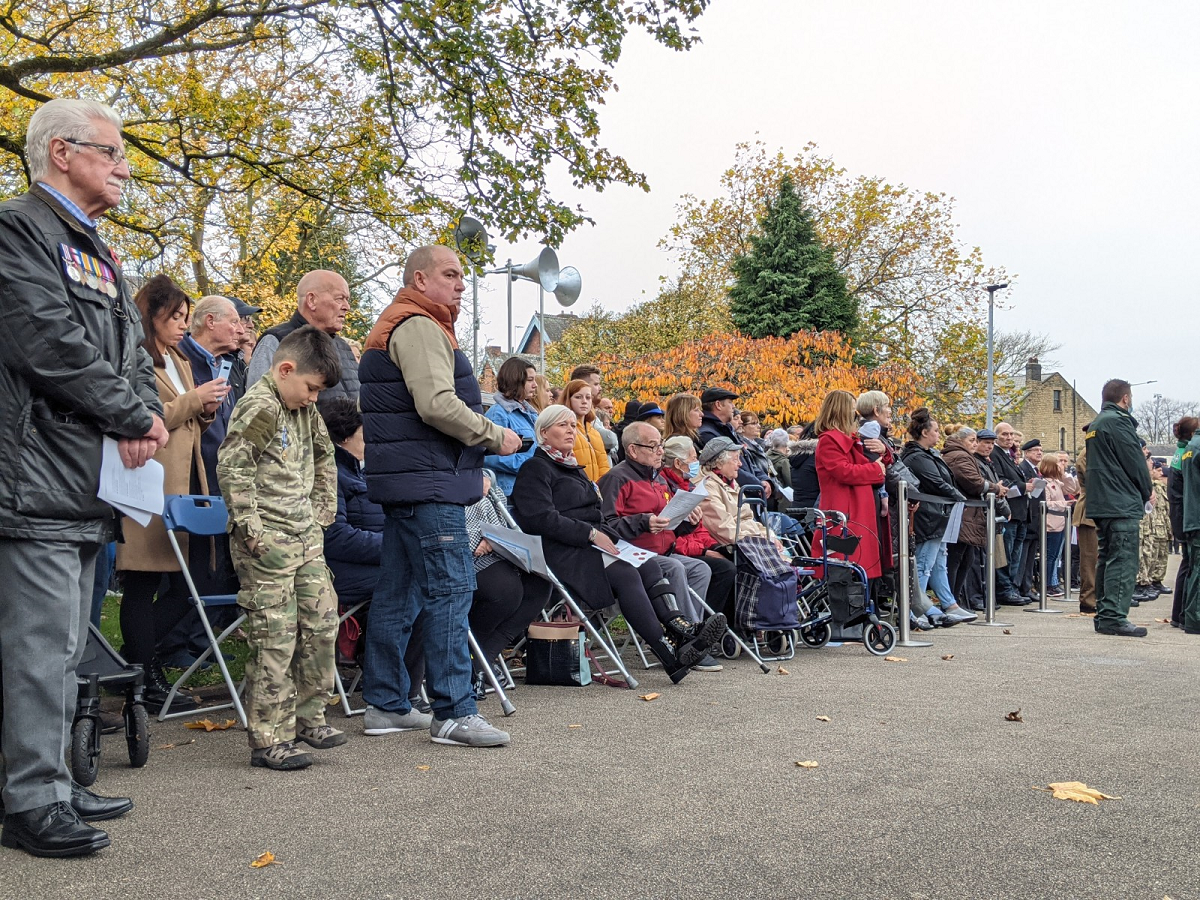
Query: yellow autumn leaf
point(823, 718)
point(267, 858)
point(649, 697)
point(422, 768)
point(209, 725)
point(574, 726)
point(895, 659)
point(948, 656)
point(783, 671)
point(808, 764)
point(1077, 791)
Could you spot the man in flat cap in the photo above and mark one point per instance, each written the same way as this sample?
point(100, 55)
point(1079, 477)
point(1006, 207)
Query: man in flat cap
point(1031, 457)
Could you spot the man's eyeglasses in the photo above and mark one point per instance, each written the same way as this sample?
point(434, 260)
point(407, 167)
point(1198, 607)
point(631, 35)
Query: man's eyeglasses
point(653, 448)
point(115, 155)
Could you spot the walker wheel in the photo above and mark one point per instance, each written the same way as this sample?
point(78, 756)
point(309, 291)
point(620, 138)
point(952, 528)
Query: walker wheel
point(730, 648)
point(85, 751)
point(137, 734)
point(879, 638)
point(816, 635)
point(778, 642)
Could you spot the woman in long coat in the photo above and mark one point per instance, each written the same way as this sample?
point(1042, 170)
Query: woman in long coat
point(145, 556)
point(847, 478)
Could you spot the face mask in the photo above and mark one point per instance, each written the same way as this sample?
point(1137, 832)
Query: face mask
point(693, 468)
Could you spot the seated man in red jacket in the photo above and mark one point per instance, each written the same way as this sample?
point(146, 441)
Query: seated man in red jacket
point(633, 495)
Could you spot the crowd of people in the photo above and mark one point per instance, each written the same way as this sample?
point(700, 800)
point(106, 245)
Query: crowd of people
point(362, 479)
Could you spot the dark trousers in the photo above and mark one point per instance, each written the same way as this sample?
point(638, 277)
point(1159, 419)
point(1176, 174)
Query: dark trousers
point(506, 600)
point(720, 589)
point(1191, 605)
point(1116, 571)
point(1181, 581)
point(964, 569)
point(144, 619)
point(1029, 561)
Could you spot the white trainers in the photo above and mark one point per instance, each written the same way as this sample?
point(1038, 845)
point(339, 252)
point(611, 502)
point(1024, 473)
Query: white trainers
point(469, 731)
point(380, 721)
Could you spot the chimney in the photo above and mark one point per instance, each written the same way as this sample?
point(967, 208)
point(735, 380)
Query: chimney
point(1033, 370)
point(492, 350)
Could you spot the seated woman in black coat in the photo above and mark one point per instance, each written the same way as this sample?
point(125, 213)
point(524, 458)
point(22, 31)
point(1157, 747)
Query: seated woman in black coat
point(354, 542)
point(553, 498)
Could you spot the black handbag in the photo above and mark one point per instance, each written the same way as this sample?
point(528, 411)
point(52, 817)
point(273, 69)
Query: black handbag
point(556, 654)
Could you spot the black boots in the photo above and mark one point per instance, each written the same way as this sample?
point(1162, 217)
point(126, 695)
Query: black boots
point(670, 662)
point(156, 688)
point(692, 644)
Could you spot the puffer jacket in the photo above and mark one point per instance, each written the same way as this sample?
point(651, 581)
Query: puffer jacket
point(354, 542)
point(805, 485)
point(521, 418)
point(72, 370)
point(929, 523)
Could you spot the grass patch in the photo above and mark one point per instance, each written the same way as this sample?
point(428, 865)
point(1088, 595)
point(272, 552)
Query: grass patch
point(110, 627)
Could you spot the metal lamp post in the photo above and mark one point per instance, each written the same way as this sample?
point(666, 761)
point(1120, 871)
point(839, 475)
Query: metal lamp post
point(991, 363)
point(472, 239)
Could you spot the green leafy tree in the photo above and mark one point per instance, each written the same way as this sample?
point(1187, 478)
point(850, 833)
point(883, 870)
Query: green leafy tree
point(789, 281)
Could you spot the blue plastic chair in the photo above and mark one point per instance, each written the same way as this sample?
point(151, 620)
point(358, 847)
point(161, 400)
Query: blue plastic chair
point(202, 516)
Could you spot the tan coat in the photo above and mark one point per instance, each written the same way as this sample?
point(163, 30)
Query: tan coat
point(146, 549)
point(720, 512)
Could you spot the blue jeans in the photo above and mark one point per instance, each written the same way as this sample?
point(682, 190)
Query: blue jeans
point(105, 562)
point(1014, 546)
point(427, 572)
point(1054, 545)
point(931, 569)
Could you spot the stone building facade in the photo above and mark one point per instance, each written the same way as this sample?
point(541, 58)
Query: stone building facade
point(1049, 409)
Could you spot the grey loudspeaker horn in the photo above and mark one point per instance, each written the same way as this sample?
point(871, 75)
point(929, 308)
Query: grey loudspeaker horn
point(570, 285)
point(471, 238)
point(543, 270)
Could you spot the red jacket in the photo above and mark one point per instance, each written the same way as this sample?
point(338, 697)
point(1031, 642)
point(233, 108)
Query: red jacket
point(630, 493)
point(847, 478)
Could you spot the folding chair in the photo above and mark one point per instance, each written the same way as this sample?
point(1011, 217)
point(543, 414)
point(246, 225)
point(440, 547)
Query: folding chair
point(202, 516)
point(344, 692)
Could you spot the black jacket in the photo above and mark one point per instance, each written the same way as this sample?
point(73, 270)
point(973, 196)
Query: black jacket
point(806, 489)
point(929, 523)
point(1007, 470)
point(354, 542)
point(558, 502)
point(72, 370)
point(1029, 472)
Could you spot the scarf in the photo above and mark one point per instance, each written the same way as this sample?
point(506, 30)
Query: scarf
point(558, 456)
point(410, 302)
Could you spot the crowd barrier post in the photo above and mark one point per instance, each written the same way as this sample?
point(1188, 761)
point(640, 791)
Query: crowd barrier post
point(903, 599)
point(1066, 582)
point(1043, 603)
point(989, 612)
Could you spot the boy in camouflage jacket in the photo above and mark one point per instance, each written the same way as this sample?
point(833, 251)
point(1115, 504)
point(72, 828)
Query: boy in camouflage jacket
point(277, 474)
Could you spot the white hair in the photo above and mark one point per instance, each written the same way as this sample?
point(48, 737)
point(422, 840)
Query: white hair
point(75, 119)
point(777, 438)
point(220, 308)
point(551, 416)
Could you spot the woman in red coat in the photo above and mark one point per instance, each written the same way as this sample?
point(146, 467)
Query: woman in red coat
point(848, 478)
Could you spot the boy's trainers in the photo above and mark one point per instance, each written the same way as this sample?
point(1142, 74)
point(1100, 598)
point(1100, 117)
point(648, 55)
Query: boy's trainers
point(469, 731)
point(321, 737)
point(281, 757)
point(380, 721)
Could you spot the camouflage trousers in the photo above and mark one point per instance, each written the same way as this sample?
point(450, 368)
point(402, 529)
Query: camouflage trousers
point(1154, 545)
point(291, 623)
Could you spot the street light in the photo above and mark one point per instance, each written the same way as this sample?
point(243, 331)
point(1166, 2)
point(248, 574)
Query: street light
point(471, 238)
point(991, 364)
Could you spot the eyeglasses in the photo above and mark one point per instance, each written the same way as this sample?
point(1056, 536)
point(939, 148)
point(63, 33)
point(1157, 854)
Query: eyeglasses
point(115, 155)
point(653, 448)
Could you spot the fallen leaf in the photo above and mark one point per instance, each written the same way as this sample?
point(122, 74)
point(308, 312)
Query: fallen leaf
point(176, 744)
point(808, 764)
point(1164, 621)
point(574, 726)
point(208, 725)
point(1077, 791)
point(649, 697)
point(822, 718)
point(895, 659)
point(1074, 615)
point(783, 671)
point(422, 768)
point(1006, 631)
point(948, 656)
point(266, 859)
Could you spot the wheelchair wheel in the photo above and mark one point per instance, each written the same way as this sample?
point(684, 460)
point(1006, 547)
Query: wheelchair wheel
point(137, 734)
point(879, 638)
point(730, 649)
point(817, 635)
point(85, 751)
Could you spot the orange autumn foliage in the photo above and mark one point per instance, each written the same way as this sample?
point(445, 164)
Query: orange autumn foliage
point(782, 380)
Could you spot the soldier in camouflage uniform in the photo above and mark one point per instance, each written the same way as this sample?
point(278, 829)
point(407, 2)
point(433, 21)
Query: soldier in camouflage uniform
point(277, 473)
point(1155, 539)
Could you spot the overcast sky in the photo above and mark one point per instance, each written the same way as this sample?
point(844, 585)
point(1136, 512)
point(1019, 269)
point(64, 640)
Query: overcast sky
point(1067, 132)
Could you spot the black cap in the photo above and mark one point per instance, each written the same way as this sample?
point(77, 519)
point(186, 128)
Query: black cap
point(244, 309)
point(1029, 445)
point(650, 409)
point(712, 395)
point(632, 408)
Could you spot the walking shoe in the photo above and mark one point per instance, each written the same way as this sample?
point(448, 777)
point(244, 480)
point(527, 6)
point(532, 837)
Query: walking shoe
point(707, 664)
point(1125, 629)
point(321, 737)
point(1055, 593)
point(1161, 588)
point(1010, 600)
point(281, 757)
point(380, 721)
point(922, 623)
point(939, 619)
point(469, 731)
point(421, 705)
point(957, 614)
point(94, 808)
